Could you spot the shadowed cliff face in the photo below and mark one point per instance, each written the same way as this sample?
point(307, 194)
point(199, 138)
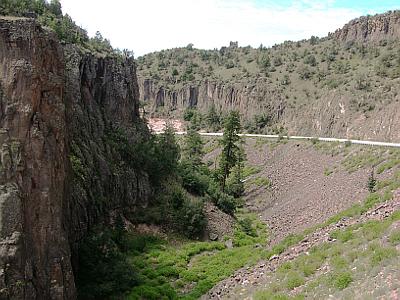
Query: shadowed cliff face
point(57, 175)
point(101, 95)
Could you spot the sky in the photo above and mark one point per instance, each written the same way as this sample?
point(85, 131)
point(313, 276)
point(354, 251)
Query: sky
point(145, 26)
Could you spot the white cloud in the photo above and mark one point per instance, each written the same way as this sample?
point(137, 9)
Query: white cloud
point(149, 25)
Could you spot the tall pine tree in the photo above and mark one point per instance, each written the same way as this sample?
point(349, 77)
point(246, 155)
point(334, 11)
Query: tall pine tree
point(230, 143)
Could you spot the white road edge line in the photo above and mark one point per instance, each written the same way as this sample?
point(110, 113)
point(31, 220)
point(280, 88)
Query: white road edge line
point(324, 139)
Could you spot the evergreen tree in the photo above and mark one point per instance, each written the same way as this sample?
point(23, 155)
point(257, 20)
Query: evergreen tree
point(234, 182)
point(193, 147)
point(230, 142)
point(167, 152)
point(55, 8)
point(213, 119)
point(371, 182)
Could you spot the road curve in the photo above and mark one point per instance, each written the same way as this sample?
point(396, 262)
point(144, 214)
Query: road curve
point(324, 139)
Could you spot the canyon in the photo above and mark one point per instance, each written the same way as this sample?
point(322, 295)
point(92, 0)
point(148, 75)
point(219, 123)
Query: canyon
point(70, 117)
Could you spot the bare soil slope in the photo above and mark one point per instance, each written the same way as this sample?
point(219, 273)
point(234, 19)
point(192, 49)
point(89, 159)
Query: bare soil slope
point(302, 192)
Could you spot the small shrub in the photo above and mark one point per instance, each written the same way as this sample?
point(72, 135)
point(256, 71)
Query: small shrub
point(371, 201)
point(394, 238)
point(342, 280)
point(250, 170)
point(338, 262)
point(380, 253)
point(262, 182)
point(314, 140)
point(342, 236)
point(371, 182)
point(190, 218)
point(294, 280)
point(227, 203)
point(247, 226)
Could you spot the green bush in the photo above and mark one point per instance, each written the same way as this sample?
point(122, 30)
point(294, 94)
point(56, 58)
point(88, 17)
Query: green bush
point(343, 236)
point(194, 180)
point(227, 203)
point(371, 201)
point(394, 238)
point(342, 280)
point(223, 201)
point(247, 226)
point(190, 218)
point(104, 270)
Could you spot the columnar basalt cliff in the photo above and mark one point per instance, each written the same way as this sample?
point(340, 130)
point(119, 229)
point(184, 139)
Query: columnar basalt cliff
point(344, 85)
point(247, 98)
point(371, 28)
point(57, 109)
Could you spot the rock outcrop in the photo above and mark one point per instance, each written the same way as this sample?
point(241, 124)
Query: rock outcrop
point(57, 176)
point(371, 28)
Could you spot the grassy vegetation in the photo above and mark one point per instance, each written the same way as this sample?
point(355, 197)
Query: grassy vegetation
point(328, 171)
point(262, 182)
point(250, 170)
point(332, 269)
point(211, 145)
point(330, 148)
point(187, 269)
point(380, 158)
point(395, 238)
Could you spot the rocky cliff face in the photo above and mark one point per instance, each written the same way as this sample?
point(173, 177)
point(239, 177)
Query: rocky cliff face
point(57, 177)
point(334, 114)
point(371, 28)
point(247, 98)
point(101, 96)
point(34, 251)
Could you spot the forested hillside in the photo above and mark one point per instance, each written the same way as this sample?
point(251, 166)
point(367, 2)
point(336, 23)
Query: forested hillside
point(319, 86)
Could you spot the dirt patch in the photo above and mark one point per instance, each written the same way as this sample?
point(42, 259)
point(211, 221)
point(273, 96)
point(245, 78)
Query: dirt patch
point(302, 192)
point(157, 125)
